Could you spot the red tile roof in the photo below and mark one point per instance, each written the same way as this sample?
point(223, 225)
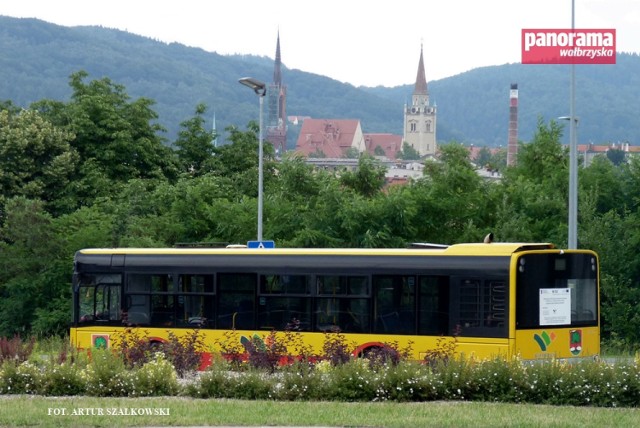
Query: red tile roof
point(333, 137)
point(390, 143)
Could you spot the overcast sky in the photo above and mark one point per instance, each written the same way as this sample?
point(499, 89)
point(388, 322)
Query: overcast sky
point(362, 42)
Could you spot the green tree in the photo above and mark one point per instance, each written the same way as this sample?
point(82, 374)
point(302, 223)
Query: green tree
point(238, 162)
point(453, 201)
point(616, 156)
point(630, 176)
point(603, 181)
point(498, 160)
point(544, 159)
point(483, 158)
point(368, 179)
point(34, 272)
point(195, 144)
point(352, 153)
point(116, 139)
point(36, 159)
point(295, 194)
point(613, 235)
point(408, 152)
point(9, 106)
point(535, 191)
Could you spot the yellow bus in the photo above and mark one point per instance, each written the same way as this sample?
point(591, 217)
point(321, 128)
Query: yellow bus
point(494, 299)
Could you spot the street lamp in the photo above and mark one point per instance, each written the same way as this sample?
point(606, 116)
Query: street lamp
point(573, 151)
point(572, 241)
point(260, 89)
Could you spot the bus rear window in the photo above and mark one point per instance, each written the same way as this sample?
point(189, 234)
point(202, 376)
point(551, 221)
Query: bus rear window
point(556, 290)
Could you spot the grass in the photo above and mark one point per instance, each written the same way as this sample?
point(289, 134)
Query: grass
point(33, 411)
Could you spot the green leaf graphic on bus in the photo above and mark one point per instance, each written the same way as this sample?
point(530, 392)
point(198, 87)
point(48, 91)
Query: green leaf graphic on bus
point(544, 339)
point(255, 341)
point(575, 342)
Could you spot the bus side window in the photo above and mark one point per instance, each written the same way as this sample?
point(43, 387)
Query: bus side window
point(433, 305)
point(394, 304)
point(236, 302)
point(99, 298)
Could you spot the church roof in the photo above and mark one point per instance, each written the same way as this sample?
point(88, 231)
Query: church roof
point(421, 80)
point(277, 71)
point(390, 143)
point(330, 136)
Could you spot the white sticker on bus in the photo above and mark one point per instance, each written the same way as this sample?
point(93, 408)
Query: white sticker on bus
point(555, 306)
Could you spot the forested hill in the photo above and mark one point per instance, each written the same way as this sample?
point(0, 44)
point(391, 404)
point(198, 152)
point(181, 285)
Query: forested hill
point(37, 58)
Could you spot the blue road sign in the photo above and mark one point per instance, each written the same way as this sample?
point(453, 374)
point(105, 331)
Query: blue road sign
point(261, 244)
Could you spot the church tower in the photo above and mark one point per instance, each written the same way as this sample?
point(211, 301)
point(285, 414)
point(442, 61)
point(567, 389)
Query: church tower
point(420, 117)
point(277, 103)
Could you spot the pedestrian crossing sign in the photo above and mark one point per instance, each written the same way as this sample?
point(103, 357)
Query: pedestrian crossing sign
point(261, 244)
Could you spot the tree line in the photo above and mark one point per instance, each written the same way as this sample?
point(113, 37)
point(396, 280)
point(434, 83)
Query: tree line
point(96, 172)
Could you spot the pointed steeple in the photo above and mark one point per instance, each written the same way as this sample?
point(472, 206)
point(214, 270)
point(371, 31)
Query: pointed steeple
point(277, 73)
point(277, 106)
point(420, 116)
point(421, 80)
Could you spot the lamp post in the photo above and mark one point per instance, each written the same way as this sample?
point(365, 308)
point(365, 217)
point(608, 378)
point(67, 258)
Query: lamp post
point(260, 89)
point(572, 241)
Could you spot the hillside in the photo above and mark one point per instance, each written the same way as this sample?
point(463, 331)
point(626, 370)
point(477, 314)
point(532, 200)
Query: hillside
point(38, 57)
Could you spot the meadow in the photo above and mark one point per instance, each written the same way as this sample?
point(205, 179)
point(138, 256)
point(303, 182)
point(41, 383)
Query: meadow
point(37, 411)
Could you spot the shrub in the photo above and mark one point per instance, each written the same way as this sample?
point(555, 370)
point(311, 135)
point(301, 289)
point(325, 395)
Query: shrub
point(301, 381)
point(546, 382)
point(265, 354)
point(294, 343)
point(498, 380)
point(66, 353)
point(452, 379)
point(16, 349)
point(215, 382)
point(352, 381)
point(231, 348)
point(252, 385)
point(443, 352)
point(19, 378)
point(62, 379)
point(218, 382)
point(381, 357)
point(156, 378)
point(401, 382)
point(133, 346)
point(184, 353)
point(106, 375)
point(136, 349)
point(336, 348)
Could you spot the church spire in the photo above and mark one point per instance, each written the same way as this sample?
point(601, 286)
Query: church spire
point(277, 72)
point(420, 116)
point(421, 80)
point(277, 107)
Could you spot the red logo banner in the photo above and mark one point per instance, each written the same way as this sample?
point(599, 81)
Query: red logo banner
point(578, 46)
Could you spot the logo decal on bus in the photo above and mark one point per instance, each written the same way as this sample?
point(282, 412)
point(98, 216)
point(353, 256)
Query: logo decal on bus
point(544, 339)
point(575, 341)
point(100, 341)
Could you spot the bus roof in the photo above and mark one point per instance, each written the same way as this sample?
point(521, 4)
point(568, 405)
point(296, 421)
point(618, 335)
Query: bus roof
point(477, 249)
